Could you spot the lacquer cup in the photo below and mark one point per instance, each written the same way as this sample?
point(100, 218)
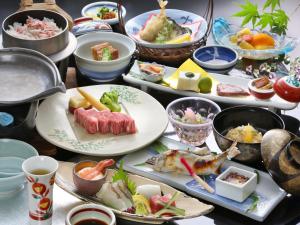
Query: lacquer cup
point(40, 188)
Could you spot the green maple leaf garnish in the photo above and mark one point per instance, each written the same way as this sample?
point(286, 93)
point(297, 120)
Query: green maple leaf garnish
point(123, 176)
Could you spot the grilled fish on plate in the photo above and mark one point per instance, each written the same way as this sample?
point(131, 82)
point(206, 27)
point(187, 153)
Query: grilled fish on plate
point(169, 161)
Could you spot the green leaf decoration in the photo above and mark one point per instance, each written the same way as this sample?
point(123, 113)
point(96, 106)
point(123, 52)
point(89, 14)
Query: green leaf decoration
point(123, 176)
point(258, 176)
point(270, 16)
point(141, 164)
point(255, 200)
point(159, 147)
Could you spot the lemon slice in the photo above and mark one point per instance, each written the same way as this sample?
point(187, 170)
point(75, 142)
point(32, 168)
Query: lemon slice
point(180, 39)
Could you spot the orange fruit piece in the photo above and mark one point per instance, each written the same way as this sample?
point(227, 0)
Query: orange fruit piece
point(262, 41)
point(246, 45)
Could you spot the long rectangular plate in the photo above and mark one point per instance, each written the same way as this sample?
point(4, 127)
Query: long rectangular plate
point(134, 77)
point(267, 191)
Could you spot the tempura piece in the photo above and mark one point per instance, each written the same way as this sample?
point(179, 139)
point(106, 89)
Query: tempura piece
point(152, 28)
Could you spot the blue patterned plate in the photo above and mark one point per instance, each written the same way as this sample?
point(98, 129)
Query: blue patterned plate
point(222, 31)
point(196, 23)
point(266, 196)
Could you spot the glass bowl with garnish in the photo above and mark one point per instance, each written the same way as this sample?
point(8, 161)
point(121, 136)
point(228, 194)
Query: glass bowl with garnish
point(192, 118)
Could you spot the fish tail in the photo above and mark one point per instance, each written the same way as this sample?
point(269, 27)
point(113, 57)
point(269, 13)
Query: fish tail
point(232, 151)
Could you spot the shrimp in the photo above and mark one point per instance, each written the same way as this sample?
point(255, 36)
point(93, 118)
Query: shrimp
point(90, 173)
point(155, 24)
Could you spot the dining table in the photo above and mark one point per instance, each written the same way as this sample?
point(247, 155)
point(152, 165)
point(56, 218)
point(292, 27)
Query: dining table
point(14, 211)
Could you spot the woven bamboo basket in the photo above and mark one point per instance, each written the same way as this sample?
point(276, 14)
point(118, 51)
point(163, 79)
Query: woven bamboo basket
point(46, 5)
point(170, 56)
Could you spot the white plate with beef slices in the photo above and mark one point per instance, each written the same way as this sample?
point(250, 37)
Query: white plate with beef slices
point(239, 84)
point(55, 124)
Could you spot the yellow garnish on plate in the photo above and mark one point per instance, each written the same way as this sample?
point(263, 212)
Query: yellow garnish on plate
point(141, 204)
point(188, 66)
point(248, 134)
point(180, 39)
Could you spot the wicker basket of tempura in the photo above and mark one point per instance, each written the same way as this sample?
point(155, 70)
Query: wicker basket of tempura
point(168, 36)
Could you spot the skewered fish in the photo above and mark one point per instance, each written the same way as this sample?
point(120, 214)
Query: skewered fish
point(169, 161)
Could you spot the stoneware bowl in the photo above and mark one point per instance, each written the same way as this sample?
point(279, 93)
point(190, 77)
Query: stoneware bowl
point(259, 93)
point(88, 212)
point(280, 151)
point(47, 46)
point(103, 71)
point(10, 148)
point(216, 58)
point(87, 187)
point(261, 119)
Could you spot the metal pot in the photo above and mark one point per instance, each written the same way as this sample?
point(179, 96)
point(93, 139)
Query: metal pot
point(46, 46)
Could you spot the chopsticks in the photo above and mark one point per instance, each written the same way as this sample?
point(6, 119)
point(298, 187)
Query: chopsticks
point(196, 177)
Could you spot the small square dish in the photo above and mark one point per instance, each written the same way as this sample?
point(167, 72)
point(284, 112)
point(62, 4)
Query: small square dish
point(236, 184)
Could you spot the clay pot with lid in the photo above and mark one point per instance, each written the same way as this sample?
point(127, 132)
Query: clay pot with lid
point(280, 152)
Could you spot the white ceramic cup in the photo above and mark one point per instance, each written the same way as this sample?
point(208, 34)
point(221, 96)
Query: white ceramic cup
point(40, 188)
point(90, 211)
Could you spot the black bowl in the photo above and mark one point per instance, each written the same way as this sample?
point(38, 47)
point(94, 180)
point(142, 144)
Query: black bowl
point(24, 121)
point(261, 119)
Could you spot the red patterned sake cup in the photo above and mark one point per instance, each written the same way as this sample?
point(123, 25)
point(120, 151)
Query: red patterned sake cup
point(40, 174)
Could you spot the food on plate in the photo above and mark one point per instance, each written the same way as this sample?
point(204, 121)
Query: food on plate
point(195, 176)
point(34, 29)
point(121, 193)
point(231, 90)
point(244, 134)
point(169, 161)
point(188, 81)
point(190, 117)
point(148, 190)
point(104, 122)
point(165, 205)
point(94, 102)
point(263, 83)
point(205, 84)
point(162, 29)
point(6, 119)
point(97, 172)
point(104, 52)
point(76, 102)
point(105, 13)
point(152, 71)
point(116, 195)
point(111, 101)
point(236, 178)
point(246, 39)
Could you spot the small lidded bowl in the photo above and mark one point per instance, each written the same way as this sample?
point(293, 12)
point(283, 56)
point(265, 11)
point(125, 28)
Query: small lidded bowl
point(87, 187)
point(261, 93)
point(90, 214)
point(204, 110)
point(216, 58)
point(236, 184)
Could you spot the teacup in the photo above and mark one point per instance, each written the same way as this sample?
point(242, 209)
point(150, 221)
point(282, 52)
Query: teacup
point(88, 213)
point(40, 174)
